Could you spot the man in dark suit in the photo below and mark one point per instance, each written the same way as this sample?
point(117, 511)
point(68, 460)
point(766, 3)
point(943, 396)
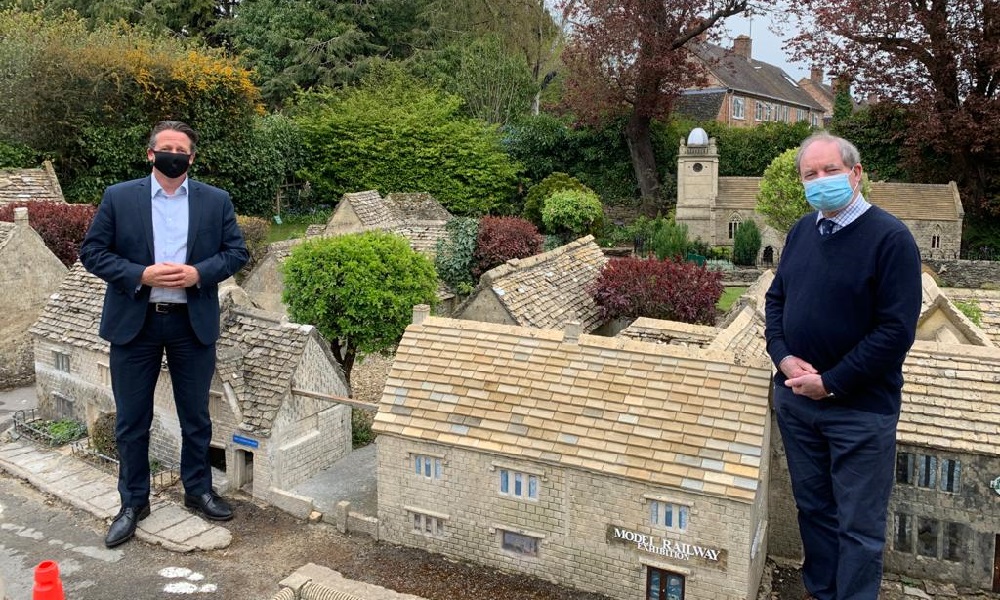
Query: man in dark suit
point(163, 243)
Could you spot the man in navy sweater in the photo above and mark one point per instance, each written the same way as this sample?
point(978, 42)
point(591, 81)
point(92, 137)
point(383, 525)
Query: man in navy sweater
point(841, 316)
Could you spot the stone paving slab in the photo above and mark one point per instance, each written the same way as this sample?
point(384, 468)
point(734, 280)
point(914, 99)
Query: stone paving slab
point(94, 491)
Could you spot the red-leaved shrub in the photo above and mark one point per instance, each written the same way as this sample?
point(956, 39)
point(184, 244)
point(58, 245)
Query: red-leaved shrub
point(659, 289)
point(61, 226)
point(503, 238)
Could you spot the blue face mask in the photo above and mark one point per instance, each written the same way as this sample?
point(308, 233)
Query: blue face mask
point(827, 194)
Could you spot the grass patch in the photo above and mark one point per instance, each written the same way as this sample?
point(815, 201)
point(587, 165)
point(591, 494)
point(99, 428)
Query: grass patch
point(729, 296)
point(286, 231)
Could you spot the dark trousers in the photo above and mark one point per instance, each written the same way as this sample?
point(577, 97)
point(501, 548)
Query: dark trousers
point(135, 368)
point(842, 467)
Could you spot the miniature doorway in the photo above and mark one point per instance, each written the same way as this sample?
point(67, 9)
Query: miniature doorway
point(243, 469)
point(996, 565)
point(663, 585)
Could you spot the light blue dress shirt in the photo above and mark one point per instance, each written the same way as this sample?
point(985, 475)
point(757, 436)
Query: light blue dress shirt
point(848, 215)
point(170, 234)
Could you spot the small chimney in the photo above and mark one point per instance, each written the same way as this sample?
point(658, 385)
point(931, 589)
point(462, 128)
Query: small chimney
point(816, 74)
point(420, 313)
point(743, 46)
point(571, 332)
point(21, 216)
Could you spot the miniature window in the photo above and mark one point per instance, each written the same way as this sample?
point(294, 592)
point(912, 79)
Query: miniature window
point(953, 548)
point(904, 467)
point(61, 360)
point(104, 373)
point(521, 544)
point(669, 515)
point(903, 532)
point(739, 107)
point(927, 537)
point(935, 241)
point(427, 466)
point(951, 471)
point(926, 471)
point(427, 524)
point(518, 485)
point(734, 223)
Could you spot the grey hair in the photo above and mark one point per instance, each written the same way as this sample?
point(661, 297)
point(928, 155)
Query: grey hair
point(848, 151)
point(173, 126)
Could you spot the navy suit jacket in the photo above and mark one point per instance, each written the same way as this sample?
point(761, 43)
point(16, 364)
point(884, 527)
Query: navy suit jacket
point(119, 246)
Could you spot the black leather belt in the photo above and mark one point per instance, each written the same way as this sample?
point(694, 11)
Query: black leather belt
point(165, 308)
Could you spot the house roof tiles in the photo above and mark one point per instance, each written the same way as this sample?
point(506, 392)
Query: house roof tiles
point(753, 77)
point(661, 414)
point(30, 185)
point(549, 289)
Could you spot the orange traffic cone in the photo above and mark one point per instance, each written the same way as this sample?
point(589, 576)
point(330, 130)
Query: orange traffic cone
point(48, 586)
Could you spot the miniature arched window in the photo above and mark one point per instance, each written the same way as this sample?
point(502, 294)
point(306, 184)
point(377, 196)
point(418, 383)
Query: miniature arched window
point(735, 220)
point(936, 237)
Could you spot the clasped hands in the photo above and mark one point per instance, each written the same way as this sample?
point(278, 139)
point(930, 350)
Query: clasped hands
point(170, 275)
point(803, 378)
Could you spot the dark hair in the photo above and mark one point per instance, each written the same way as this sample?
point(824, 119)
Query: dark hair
point(173, 126)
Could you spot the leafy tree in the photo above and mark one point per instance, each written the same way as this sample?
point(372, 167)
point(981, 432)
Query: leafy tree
point(746, 243)
point(782, 199)
point(358, 290)
point(394, 133)
point(573, 212)
point(939, 60)
point(255, 232)
point(541, 191)
point(670, 239)
point(303, 44)
point(843, 105)
point(503, 238)
point(659, 289)
point(747, 151)
point(17, 156)
point(61, 226)
point(631, 58)
point(879, 131)
point(454, 256)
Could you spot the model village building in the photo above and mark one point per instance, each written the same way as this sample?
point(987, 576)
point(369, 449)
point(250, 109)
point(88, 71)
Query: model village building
point(626, 467)
point(275, 400)
point(714, 207)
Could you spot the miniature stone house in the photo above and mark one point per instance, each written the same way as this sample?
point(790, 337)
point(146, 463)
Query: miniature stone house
point(545, 290)
point(29, 272)
point(713, 207)
point(275, 398)
point(30, 185)
point(613, 465)
point(417, 217)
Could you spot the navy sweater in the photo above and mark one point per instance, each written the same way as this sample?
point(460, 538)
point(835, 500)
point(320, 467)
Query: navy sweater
point(848, 304)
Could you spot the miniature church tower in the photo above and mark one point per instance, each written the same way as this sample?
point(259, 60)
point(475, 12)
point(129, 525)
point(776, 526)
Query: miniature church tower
point(697, 184)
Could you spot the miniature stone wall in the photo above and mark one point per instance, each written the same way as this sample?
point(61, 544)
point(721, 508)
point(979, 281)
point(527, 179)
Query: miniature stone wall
point(965, 273)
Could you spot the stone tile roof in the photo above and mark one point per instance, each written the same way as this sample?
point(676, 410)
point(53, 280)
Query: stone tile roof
point(700, 105)
point(753, 77)
point(417, 207)
point(656, 331)
point(919, 201)
point(940, 319)
point(73, 313)
point(371, 209)
point(663, 415)
point(549, 289)
point(271, 350)
point(951, 398)
point(24, 185)
point(907, 201)
point(423, 235)
point(7, 230)
point(988, 302)
point(258, 351)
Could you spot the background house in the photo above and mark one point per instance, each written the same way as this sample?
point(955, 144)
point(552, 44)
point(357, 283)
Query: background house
point(713, 207)
point(545, 290)
point(275, 398)
point(30, 185)
point(745, 92)
point(605, 464)
point(29, 272)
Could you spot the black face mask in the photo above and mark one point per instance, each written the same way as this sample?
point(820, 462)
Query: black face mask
point(171, 164)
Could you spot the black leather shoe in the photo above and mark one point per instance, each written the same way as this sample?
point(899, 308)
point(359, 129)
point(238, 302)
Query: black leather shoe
point(210, 505)
point(123, 527)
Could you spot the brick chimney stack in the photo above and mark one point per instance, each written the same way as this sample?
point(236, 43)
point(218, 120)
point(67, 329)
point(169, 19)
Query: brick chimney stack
point(743, 46)
point(21, 216)
point(816, 74)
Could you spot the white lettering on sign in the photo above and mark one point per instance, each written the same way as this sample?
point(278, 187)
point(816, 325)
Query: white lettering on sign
point(666, 547)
